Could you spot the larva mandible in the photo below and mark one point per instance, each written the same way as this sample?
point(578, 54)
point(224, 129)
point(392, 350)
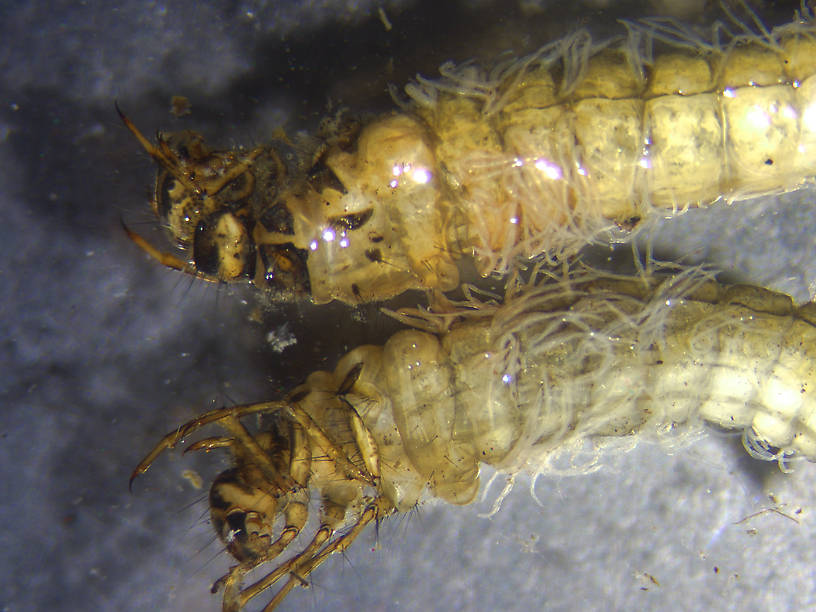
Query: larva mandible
point(535, 158)
point(586, 361)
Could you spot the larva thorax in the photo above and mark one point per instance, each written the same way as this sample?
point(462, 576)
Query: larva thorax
point(535, 159)
point(587, 361)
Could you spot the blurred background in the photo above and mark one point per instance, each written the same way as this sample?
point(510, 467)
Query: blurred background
point(104, 351)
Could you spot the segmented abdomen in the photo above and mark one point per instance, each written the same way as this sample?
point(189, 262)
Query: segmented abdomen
point(584, 361)
point(546, 152)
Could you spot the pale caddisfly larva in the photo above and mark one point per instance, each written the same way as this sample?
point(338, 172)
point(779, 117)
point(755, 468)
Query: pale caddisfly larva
point(535, 157)
point(542, 383)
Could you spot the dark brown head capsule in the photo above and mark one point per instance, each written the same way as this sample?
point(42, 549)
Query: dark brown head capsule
point(242, 515)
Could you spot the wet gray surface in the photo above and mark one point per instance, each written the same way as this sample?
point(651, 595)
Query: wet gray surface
point(104, 351)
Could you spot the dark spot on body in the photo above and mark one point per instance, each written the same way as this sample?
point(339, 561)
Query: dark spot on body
point(352, 221)
point(205, 249)
point(321, 177)
point(630, 223)
point(285, 269)
point(296, 397)
point(350, 379)
point(165, 183)
point(278, 218)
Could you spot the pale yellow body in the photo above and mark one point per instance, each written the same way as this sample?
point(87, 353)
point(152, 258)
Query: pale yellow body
point(578, 362)
point(533, 161)
point(559, 372)
point(540, 164)
point(391, 178)
point(528, 163)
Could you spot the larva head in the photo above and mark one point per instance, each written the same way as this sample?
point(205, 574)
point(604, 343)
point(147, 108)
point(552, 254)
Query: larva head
point(242, 515)
point(232, 203)
point(213, 203)
point(177, 202)
point(202, 198)
point(250, 502)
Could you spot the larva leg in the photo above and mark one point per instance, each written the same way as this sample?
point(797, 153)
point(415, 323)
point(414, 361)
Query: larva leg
point(208, 444)
point(240, 599)
point(374, 511)
point(161, 153)
point(174, 437)
point(315, 554)
point(166, 259)
point(273, 470)
point(191, 171)
point(333, 452)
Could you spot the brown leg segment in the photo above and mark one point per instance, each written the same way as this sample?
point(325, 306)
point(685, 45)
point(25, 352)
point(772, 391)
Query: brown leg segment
point(375, 510)
point(166, 259)
point(174, 437)
point(303, 564)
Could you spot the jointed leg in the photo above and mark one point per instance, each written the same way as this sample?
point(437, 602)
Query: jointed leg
point(166, 259)
point(238, 600)
point(174, 437)
point(162, 154)
point(208, 444)
point(374, 511)
point(319, 549)
point(166, 158)
point(296, 515)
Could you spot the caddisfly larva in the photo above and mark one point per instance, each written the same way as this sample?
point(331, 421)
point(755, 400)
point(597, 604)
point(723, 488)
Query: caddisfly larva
point(562, 368)
point(536, 157)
